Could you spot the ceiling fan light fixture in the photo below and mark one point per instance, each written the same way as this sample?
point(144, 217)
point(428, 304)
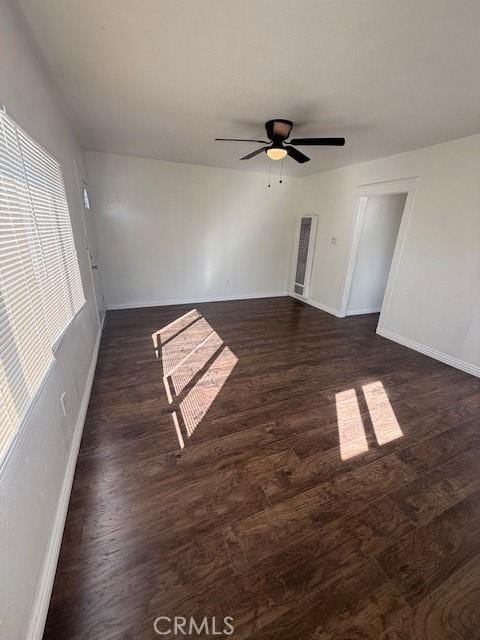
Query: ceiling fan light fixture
point(276, 153)
point(278, 131)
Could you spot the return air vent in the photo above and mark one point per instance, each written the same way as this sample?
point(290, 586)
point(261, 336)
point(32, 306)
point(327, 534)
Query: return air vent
point(306, 245)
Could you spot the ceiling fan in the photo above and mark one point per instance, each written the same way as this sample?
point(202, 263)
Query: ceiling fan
point(277, 132)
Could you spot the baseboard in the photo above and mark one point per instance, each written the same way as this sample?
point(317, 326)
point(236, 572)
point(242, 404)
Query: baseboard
point(433, 353)
point(44, 593)
point(359, 312)
point(318, 305)
point(165, 303)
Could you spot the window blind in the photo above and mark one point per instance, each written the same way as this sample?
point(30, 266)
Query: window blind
point(40, 285)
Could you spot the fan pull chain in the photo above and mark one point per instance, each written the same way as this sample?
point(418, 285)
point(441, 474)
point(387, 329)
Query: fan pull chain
point(269, 172)
point(281, 174)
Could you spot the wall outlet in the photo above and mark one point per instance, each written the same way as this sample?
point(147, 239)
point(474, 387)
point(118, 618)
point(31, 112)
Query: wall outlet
point(333, 240)
point(63, 403)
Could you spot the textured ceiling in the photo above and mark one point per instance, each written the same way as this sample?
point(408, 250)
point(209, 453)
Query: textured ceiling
point(162, 78)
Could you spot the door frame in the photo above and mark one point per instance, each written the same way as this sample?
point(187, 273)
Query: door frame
point(82, 182)
point(363, 191)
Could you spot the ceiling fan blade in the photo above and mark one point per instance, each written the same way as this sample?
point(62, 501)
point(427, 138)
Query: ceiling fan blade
point(240, 140)
point(296, 154)
point(254, 153)
point(335, 142)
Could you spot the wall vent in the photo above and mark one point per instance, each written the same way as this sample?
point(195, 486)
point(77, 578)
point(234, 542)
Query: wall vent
point(306, 244)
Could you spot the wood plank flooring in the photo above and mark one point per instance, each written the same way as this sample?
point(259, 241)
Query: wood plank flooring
point(328, 486)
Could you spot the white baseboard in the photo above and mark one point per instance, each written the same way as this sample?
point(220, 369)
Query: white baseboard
point(358, 312)
point(44, 593)
point(317, 305)
point(433, 353)
point(164, 303)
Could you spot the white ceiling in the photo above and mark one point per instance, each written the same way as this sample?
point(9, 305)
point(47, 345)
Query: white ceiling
point(162, 78)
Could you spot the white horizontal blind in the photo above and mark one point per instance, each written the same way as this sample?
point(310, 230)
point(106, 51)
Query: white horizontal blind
point(40, 284)
point(24, 342)
point(59, 274)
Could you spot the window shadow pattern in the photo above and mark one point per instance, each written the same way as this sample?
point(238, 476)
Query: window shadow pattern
point(351, 429)
point(196, 365)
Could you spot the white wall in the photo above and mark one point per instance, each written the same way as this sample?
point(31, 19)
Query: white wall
point(436, 295)
point(169, 232)
point(381, 221)
point(31, 480)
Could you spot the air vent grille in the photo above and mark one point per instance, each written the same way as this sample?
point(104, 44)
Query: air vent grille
point(303, 244)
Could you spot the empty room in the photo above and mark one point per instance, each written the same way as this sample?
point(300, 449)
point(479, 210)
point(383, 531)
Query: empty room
point(240, 319)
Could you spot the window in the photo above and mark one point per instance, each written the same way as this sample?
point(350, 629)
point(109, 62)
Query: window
point(40, 285)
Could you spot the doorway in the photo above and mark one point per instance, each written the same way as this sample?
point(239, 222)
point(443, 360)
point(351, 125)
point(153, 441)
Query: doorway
point(377, 246)
point(380, 224)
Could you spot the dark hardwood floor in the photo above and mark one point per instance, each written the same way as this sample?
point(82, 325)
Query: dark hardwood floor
point(329, 486)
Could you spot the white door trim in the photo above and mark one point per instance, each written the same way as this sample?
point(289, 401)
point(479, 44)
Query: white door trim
point(388, 187)
point(403, 185)
point(357, 229)
point(80, 184)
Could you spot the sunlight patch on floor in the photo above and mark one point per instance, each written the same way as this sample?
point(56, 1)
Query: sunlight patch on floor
point(173, 328)
point(351, 429)
point(202, 395)
point(196, 365)
point(198, 357)
point(181, 346)
point(353, 440)
point(384, 421)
